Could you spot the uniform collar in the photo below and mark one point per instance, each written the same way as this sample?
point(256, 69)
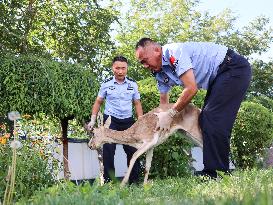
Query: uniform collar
point(165, 60)
point(125, 80)
point(165, 56)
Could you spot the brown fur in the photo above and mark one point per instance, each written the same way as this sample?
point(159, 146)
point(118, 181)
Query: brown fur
point(142, 134)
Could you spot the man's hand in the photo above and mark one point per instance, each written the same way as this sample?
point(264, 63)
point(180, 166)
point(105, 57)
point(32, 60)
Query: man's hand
point(92, 122)
point(165, 120)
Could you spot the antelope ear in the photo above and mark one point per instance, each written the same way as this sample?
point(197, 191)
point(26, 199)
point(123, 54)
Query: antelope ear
point(107, 122)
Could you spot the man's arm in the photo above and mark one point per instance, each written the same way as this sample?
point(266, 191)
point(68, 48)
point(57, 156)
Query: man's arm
point(95, 110)
point(164, 98)
point(138, 106)
point(189, 91)
point(96, 106)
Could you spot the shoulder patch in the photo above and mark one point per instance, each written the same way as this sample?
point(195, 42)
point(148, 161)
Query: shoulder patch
point(173, 61)
point(131, 79)
point(108, 79)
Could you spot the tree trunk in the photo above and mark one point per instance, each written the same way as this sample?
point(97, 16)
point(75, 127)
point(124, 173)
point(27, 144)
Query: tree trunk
point(64, 124)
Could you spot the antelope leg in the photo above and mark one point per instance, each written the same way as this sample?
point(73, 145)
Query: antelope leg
point(149, 157)
point(146, 146)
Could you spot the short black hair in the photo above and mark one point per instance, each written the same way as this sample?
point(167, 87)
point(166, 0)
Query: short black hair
point(119, 58)
point(143, 42)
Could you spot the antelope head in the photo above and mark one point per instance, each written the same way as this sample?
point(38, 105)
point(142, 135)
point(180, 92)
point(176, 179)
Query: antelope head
point(96, 140)
point(98, 134)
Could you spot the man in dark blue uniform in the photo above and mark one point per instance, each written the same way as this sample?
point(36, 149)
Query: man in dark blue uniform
point(223, 73)
point(119, 92)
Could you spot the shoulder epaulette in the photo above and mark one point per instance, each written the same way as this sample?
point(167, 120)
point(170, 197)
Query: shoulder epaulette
point(108, 79)
point(131, 79)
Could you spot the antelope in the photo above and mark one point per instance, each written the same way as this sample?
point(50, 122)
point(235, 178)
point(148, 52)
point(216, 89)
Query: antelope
point(143, 136)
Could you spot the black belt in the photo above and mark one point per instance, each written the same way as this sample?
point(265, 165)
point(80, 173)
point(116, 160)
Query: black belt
point(227, 58)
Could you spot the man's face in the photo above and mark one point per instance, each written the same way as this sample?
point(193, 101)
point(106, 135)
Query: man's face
point(150, 57)
point(120, 70)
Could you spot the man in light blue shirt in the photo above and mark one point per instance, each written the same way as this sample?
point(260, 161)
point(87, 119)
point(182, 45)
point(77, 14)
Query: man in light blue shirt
point(119, 93)
point(200, 65)
point(119, 96)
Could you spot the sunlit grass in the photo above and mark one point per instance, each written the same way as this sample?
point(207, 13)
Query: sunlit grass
point(243, 187)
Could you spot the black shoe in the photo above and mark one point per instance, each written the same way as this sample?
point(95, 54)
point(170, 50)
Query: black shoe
point(206, 175)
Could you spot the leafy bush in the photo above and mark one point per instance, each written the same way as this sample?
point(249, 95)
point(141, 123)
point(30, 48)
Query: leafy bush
point(169, 158)
point(149, 94)
point(252, 133)
point(263, 100)
point(32, 171)
point(262, 79)
point(30, 84)
point(36, 167)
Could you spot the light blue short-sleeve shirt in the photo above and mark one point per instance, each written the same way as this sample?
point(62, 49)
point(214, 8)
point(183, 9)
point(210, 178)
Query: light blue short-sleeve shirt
point(119, 96)
point(203, 57)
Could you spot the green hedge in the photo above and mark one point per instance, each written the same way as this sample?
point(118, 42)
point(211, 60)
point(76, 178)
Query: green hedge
point(252, 133)
point(31, 84)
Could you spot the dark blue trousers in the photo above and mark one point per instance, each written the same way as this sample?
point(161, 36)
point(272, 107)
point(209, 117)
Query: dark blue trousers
point(221, 106)
point(109, 151)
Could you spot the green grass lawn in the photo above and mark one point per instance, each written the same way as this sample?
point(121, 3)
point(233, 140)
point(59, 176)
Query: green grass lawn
point(243, 187)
